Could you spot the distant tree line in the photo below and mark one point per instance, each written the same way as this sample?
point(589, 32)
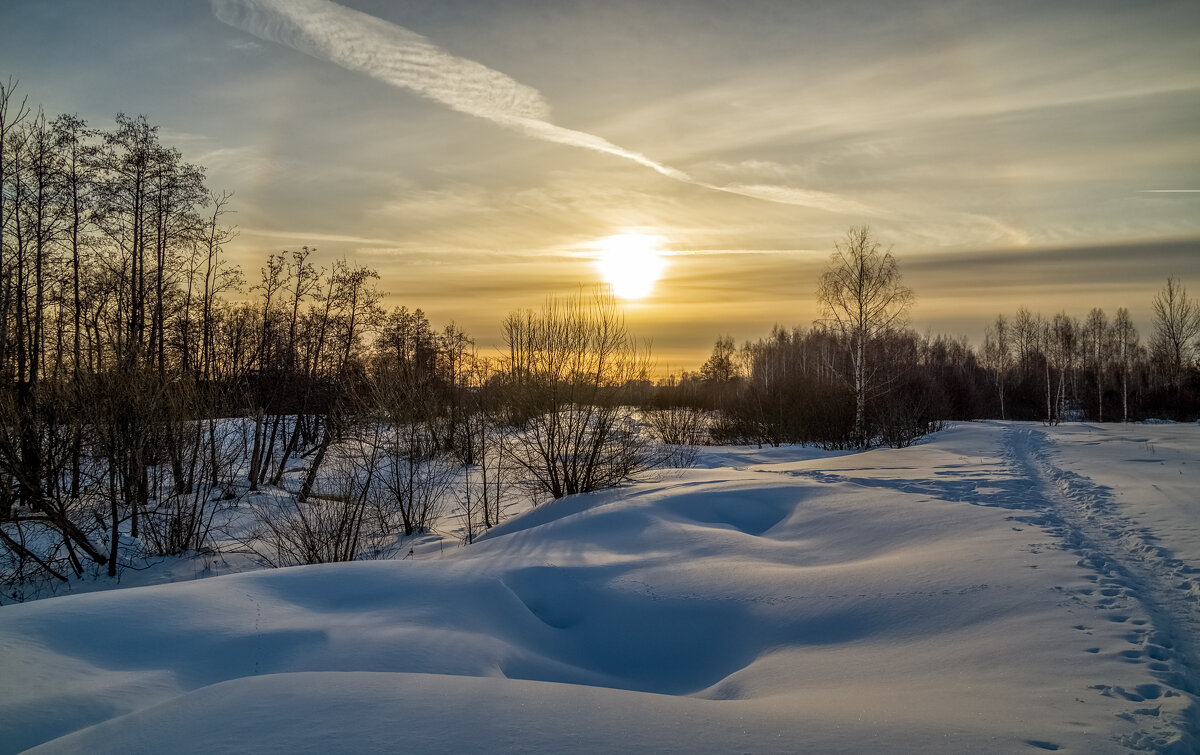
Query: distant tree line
point(860, 376)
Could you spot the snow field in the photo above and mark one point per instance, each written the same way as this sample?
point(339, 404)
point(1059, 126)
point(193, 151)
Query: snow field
point(948, 597)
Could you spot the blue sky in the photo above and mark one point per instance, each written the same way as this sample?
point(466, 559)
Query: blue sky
point(1011, 153)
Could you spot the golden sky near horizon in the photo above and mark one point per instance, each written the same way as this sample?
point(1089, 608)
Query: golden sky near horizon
point(484, 156)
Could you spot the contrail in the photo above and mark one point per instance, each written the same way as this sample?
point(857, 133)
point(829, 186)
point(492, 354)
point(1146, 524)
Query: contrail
point(402, 58)
point(390, 53)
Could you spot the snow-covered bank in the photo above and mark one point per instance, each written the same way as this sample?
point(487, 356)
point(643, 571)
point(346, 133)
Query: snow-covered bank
point(983, 591)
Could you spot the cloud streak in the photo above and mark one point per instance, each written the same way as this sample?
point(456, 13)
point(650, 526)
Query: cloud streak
point(312, 237)
point(402, 58)
point(384, 51)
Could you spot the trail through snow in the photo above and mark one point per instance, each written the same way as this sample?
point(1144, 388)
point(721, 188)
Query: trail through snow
point(1134, 574)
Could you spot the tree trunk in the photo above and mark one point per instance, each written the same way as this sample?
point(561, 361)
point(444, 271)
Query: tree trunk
point(311, 477)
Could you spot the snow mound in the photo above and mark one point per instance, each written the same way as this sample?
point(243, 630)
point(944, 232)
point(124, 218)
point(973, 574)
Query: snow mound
point(930, 599)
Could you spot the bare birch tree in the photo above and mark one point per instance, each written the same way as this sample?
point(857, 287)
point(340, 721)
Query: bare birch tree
point(863, 298)
point(1176, 326)
point(1124, 338)
point(998, 356)
point(1097, 352)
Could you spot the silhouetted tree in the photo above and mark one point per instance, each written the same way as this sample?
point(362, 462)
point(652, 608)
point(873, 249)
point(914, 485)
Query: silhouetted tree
point(1176, 327)
point(569, 371)
point(863, 298)
point(998, 357)
point(1124, 338)
point(1096, 356)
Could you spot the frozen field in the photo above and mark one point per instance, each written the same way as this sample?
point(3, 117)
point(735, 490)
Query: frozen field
point(1001, 587)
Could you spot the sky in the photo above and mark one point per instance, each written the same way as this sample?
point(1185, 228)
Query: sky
point(481, 155)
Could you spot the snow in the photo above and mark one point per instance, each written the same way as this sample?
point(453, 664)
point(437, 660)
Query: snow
point(998, 587)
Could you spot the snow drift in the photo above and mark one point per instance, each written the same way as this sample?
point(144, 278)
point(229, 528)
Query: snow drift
point(1000, 587)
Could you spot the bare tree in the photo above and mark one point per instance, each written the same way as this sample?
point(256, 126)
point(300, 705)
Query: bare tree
point(1124, 338)
point(1096, 353)
point(482, 446)
point(1176, 326)
point(218, 275)
point(12, 114)
point(417, 478)
point(569, 371)
point(1027, 337)
point(1061, 339)
point(415, 471)
point(126, 163)
point(863, 298)
point(353, 309)
point(998, 356)
point(721, 367)
point(683, 429)
point(327, 529)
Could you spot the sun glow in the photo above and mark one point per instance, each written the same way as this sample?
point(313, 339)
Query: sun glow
point(631, 263)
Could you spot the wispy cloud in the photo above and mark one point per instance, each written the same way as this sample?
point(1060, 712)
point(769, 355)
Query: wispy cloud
point(821, 200)
point(390, 53)
point(402, 58)
point(245, 45)
point(315, 237)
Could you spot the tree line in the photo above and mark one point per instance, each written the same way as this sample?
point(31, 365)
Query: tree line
point(860, 375)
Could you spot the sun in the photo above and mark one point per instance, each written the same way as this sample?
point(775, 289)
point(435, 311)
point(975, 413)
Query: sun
point(631, 263)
